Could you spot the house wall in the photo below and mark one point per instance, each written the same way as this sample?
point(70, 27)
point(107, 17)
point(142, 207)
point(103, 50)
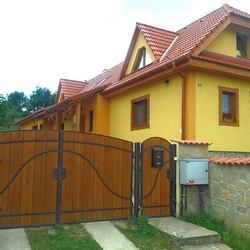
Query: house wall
point(28, 125)
point(102, 115)
point(223, 137)
point(165, 112)
point(219, 45)
point(100, 107)
point(88, 105)
point(139, 44)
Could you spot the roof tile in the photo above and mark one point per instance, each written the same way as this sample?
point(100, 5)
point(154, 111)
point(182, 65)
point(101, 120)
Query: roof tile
point(224, 60)
point(158, 39)
point(192, 142)
point(232, 161)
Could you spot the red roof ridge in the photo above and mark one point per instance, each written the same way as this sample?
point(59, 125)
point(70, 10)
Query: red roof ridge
point(230, 160)
point(192, 142)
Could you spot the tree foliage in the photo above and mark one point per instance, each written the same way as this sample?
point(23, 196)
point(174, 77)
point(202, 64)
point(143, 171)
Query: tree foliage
point(40, 98)
point(17, 105)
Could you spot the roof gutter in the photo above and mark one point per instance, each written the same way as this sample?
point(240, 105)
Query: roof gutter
point(183, 104)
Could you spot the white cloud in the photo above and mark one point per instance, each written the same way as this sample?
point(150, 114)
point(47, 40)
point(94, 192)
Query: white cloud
point(43, 41)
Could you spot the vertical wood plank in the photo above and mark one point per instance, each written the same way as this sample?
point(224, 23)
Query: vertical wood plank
point(117, 186)
point(67, 184)
point(98, 176)
point(15, 187)
point(165, 183)
point(108, 176)
point(39, 176)
point(146, 178)
point(78, 199)
point(50, 183)
point(126, 178)
point(89, 177)
point(156, 194)
point(27, 176)
point(5, 154)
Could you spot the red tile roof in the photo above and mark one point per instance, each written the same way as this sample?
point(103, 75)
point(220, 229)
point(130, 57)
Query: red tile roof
point(224, 60)
point(190, 142)
point(232, 161)
point(157, 39)
point(71, 87)
point(111, 75)
point(184, 43)
point(167, 47)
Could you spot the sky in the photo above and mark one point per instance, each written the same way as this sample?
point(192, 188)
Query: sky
point(42, 41)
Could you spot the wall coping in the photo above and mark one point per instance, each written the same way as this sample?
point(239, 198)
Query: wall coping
point(230, 160)
point(192, 142)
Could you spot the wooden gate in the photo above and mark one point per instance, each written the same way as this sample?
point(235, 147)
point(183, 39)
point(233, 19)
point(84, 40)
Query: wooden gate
point(155, 177)
point(49, 177)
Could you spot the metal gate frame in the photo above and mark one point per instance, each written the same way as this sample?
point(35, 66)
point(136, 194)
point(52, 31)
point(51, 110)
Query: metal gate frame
point(138, 180)
point(134, 201)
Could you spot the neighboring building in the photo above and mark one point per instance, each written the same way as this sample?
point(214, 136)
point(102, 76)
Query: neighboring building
point(193, 84)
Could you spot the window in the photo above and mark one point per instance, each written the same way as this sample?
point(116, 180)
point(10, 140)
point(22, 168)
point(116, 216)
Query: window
point(91, 120)
point(142, 59)
point(35, 127)
point(241, 45)
point(228, 106)
point(140, 113)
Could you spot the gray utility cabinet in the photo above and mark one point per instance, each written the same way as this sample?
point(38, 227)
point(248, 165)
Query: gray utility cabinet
point(194, 172)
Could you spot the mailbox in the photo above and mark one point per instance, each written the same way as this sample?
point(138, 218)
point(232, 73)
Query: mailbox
point(157, 157)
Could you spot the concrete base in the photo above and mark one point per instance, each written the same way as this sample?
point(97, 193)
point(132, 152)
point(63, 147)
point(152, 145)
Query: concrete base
point(108, 236)
point(14, 239)
point(184, 233)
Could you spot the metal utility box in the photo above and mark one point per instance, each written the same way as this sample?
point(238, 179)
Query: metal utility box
point(194, 172)
point(157, 157)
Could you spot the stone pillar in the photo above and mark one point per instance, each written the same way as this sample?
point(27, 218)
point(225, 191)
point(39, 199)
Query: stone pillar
point(190, 198)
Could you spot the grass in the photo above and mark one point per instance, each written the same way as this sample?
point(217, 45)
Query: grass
point(75, 236)
point(61, 237)
point(235, 240)
point(145, 236)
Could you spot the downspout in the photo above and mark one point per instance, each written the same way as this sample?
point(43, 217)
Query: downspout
point(179, 190)
point(183, 105)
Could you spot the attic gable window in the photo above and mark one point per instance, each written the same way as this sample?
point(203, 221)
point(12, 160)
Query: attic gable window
point(241, 42)
point(142, 59)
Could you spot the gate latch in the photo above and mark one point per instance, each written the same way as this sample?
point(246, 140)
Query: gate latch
point(168, 174)
point(55, 174)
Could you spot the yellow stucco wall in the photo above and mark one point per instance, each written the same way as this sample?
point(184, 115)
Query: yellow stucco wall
point(139, 44)
point(224, 43)
point(223, 137)
point(165, 112)
point(100, 107)
point(29, 124)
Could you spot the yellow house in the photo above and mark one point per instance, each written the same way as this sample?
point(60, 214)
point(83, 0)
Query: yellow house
point(192, 84)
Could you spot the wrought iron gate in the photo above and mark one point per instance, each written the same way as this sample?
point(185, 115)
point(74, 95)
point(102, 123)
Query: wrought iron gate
point(51, 177)
point(155, 177)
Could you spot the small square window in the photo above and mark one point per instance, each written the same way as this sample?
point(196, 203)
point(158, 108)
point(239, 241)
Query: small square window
point(140, 113)
point(241, 42)
point(228, 106)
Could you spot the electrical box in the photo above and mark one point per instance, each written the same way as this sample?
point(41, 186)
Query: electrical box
point(194, 172)
point(157, 157)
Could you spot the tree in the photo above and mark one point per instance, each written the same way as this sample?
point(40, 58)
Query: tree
point(19, 100)
point(40, 98)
